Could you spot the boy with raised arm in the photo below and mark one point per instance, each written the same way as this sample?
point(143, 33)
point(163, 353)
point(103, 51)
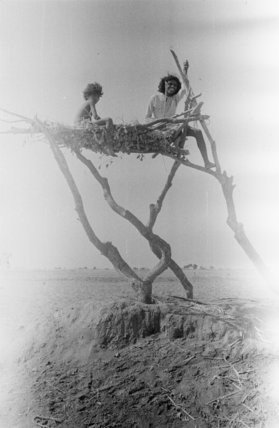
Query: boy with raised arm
point(164, 104)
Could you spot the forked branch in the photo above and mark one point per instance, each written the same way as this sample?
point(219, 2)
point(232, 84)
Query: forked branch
point(107, 248)
point(159, 246)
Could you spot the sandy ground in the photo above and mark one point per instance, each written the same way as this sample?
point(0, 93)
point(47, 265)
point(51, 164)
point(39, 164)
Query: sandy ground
point(31, 301)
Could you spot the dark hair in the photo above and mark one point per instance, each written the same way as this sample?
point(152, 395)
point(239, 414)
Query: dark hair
point(92, 89)
point(162, 84)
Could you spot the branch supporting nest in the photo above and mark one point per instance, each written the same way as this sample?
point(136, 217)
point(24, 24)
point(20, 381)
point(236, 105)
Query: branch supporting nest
point(156, 208)
point(107, 248)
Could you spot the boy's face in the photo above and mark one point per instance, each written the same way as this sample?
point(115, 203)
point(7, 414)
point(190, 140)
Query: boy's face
point(94, 98)
point(171, 87)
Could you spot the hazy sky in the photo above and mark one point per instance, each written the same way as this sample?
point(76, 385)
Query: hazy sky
point(51, 49)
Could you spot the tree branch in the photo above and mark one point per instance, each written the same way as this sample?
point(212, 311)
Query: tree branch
point(174, 120)
point(20, 116)
point(190, 164)
point(186, 284)
point(227, 188)
point(107, 249)
point(164, 120)
point(156, 208)
point(238, 229)
point(202, 121)
point(154, 212)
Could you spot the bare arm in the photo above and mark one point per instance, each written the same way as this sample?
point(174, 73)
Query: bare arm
point(95, 115)
point(83, 114)
point(181, 95)
point(148, 116)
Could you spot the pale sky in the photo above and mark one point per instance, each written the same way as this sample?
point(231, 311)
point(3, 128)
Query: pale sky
point(50, 50)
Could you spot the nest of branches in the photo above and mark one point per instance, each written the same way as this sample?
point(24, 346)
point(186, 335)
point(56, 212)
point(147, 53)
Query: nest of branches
point(119, 139)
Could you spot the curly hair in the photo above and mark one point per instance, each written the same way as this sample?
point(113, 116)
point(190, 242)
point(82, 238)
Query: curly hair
point(92, 89)
point(162, 84)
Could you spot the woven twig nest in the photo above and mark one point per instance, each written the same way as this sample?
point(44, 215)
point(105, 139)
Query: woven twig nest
point(121, 139)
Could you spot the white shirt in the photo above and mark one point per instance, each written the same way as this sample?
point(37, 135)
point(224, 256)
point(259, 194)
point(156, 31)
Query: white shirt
point(161, 106)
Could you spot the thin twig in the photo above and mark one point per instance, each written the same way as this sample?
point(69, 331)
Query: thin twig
point(243, 423)
point(55, 387)
point(24, 118)
point(230, 345)
point(164, 120)
point(228, 364)
point(184, 350)
point(249, 408)
point(190, 164)
point(18, 131)
point(235, 371)
point(12, 121)
point(181, 408)
point(39, 425)
point(46, 418)
point(222, 397)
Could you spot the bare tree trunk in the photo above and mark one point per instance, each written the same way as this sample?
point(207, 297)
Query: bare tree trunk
point(238, 229)
point(184, 281)
point(143, 290)
point(227, 188)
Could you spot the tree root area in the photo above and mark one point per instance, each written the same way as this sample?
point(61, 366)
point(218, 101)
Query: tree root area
point(160, 381)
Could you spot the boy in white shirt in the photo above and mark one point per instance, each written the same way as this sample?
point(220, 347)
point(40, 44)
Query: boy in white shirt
point(164, 104)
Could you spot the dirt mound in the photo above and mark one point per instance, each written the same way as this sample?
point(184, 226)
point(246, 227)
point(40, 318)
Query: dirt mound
point(128, 321)
point(124, 323)
point(190, 364)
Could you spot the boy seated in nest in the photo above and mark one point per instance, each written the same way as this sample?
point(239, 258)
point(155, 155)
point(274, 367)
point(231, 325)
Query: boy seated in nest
point(88, 113)
point(163, 105)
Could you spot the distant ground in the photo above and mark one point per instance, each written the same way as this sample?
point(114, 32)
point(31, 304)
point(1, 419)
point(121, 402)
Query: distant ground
point(27, 294)
point(32, 301)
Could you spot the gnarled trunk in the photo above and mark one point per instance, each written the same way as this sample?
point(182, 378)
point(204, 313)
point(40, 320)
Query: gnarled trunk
point(143, 290)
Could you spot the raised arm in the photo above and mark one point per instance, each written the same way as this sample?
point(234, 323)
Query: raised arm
point(181, 94)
